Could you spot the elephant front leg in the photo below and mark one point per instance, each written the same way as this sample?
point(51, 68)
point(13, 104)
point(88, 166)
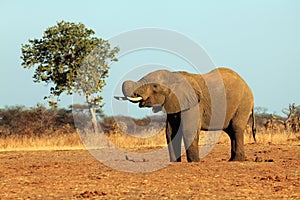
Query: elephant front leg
point(174, 137)
point(191, 128)
point(191, 145)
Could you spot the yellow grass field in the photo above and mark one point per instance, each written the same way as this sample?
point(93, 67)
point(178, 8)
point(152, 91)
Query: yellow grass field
point(72, 141)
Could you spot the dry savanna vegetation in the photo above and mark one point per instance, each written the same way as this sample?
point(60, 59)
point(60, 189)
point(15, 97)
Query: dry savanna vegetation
point(40, 128)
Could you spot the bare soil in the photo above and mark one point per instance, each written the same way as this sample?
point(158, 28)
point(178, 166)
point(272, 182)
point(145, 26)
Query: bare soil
point(269, 172)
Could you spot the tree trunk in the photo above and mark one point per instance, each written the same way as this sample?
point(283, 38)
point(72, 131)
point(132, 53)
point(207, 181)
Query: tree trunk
point(92, 111)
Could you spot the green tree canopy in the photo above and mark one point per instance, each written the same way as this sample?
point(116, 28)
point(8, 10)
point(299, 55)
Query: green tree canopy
point(71, 58)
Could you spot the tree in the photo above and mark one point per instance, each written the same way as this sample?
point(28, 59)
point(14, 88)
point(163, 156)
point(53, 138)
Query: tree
point(70, 58)
point(292, 111)
point(261, 110)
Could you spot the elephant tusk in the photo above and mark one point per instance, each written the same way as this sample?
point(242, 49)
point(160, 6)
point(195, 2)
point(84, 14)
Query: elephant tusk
point(135, 99)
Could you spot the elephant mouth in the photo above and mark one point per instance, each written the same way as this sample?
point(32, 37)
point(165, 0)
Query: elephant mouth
point(146, 103)
point(142, 103)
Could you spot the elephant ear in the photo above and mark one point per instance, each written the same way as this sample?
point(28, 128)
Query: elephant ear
point(184, 93)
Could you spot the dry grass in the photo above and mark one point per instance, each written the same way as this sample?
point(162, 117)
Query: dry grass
point(46, 142)
point(150, 138)
point(263, 137)
point(276, 137)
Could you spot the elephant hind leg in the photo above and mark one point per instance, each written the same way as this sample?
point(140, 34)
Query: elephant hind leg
point(236, 134)
point(236, 130)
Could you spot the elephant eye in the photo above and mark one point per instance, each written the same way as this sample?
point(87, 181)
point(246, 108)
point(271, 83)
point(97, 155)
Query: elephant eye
point(155, 88)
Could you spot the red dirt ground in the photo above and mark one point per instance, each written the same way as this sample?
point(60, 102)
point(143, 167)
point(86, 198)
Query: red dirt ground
point(270, 172)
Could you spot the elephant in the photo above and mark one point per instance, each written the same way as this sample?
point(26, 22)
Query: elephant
point(218, 100)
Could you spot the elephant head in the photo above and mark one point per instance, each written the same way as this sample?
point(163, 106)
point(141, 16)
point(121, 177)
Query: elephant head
point(171, 91)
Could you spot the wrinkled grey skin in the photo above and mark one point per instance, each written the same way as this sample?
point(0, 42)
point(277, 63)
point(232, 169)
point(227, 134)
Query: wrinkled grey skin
point(192, 102)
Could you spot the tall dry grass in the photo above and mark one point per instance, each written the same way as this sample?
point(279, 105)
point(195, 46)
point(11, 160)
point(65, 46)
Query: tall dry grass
point(44, 142)
point(151, 138)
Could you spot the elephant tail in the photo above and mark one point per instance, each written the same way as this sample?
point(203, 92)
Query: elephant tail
point(253, 124)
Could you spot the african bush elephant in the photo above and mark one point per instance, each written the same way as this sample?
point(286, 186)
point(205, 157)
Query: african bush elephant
point(218, 100)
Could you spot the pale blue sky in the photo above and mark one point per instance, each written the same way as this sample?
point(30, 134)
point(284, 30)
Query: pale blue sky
point(258, 39)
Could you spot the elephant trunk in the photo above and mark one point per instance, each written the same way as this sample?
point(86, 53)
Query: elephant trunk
point(129, 88)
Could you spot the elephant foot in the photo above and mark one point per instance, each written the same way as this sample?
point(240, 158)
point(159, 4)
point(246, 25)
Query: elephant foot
point(192, 155)
point(237, 158)
point(195, 160)
point(176, 160)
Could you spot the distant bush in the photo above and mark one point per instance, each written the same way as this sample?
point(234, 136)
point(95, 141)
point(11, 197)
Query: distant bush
point(39, 120)
point(262, 118)
point(19, 120)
